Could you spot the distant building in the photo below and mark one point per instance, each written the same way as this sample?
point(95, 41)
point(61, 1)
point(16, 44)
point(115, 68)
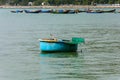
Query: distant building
point(30, 3)
point(44, 3)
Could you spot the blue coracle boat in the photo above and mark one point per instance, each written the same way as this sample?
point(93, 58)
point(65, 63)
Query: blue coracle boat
point(59, 45)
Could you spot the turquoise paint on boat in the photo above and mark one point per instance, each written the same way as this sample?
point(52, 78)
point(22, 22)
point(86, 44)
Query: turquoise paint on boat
point(59, 45)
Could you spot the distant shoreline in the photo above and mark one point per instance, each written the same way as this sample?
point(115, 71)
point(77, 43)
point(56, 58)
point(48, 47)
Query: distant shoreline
point(64, 6)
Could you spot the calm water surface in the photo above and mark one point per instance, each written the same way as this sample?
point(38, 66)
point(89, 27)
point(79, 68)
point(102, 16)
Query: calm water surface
point(21, 59)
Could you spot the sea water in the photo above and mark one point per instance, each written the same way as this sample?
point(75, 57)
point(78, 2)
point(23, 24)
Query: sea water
point(97, 59)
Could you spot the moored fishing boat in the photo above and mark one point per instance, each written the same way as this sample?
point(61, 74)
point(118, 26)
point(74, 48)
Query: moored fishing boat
point(93, 11)
point(60, 45)
point(100, 11)
point(109, 11)
point(62, 11)
point(17, 11)
point(34, 11)
point(46, 11)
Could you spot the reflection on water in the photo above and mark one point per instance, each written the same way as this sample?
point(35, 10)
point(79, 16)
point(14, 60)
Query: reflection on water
point(78, 66)
point(59, 66)
point(59, 54)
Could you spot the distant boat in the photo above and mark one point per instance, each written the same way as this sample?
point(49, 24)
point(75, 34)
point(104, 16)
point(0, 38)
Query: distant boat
point(81, 11)
point(100, 11)
point(17, 11)
point(62, 11)
point(109, 11)
point(73, 11)
point(46, 11)
point(94, 11)
point(60, 45)
point(34, 11)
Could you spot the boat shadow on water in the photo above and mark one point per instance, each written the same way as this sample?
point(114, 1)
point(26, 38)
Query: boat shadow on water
point(59, 54)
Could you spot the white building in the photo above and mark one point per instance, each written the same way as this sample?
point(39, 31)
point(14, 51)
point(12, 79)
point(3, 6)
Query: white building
point(30, 3)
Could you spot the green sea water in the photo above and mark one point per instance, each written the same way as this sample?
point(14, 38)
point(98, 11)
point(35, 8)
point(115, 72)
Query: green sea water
point(21, 59)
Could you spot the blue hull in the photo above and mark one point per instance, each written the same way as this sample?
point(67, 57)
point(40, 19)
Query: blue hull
point(57, 47)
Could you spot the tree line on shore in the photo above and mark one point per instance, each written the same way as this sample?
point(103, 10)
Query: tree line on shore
point(58, 2)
